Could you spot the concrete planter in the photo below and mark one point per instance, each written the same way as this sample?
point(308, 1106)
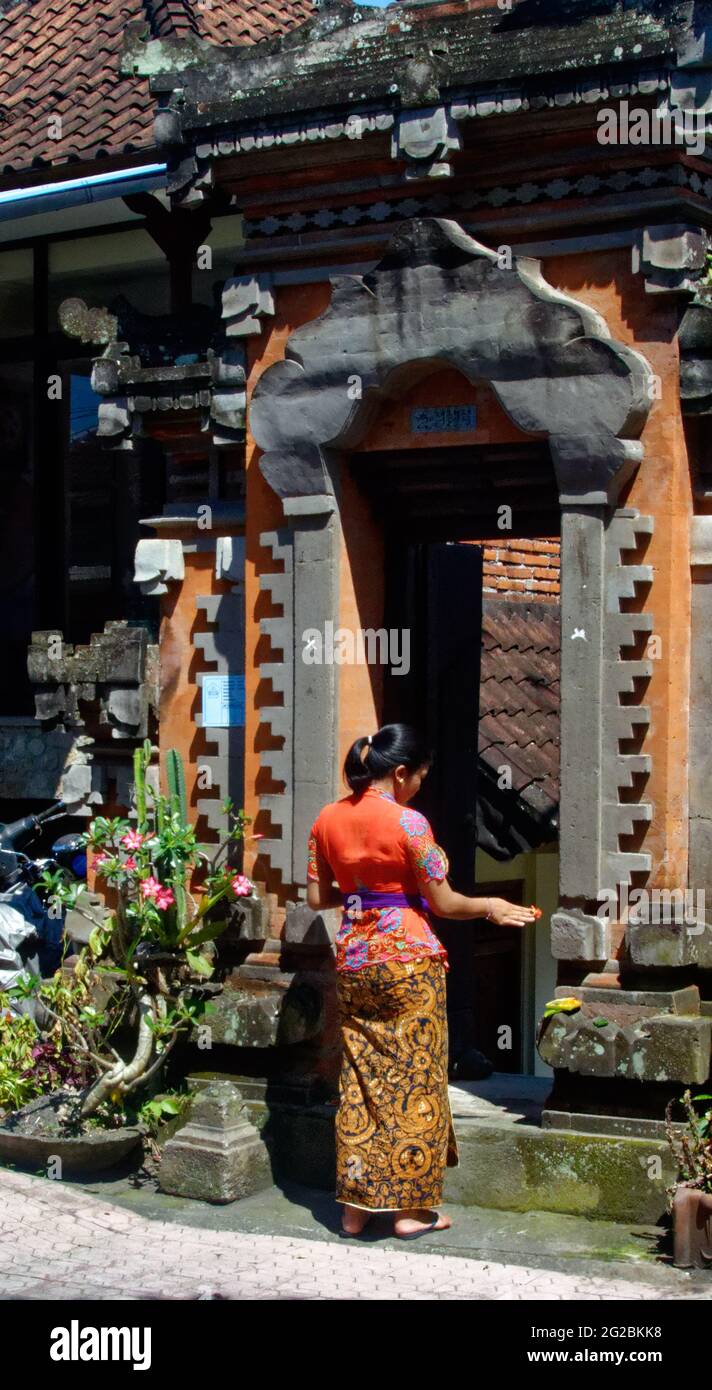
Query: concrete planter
point(30, 1138)
point(692, 1228)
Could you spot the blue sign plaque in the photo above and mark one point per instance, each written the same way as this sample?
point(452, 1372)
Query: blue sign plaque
point(223, 702)
point(443, 419)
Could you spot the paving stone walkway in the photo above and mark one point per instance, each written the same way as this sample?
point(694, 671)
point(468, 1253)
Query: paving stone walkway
point(59, 1242)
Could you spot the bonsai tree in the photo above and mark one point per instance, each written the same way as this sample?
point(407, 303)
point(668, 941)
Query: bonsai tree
point(153, 949)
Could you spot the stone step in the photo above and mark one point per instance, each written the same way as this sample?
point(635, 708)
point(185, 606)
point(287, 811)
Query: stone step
point(505, 1163)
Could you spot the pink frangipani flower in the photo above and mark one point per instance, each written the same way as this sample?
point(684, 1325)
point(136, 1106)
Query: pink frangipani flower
point(241, 886)
point(133, 839)
point(151, 887)
point(129, 863)
point(164, 899)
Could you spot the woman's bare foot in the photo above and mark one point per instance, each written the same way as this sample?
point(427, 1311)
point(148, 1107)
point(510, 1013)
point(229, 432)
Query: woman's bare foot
point(354, 1219)
point(408, 1223)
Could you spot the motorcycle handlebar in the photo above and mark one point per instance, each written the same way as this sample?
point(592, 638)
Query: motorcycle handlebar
point(15, 830)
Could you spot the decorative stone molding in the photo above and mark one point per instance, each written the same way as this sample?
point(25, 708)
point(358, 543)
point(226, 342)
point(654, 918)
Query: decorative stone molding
point(426, 138)
point(157, 563)
point(109, 688)
point(624, 533)
point(701, 540)
point(691, 82)
point(110, 670)
point(378, 73)
point(246, 300)
point(418, 305)
point(278, 670)
point(673, 259)
point(576, 935)
point(230, 559)
point(695, 341)
point(215, 388)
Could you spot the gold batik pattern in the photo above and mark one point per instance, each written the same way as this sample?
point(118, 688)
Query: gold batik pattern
point(394, 1131)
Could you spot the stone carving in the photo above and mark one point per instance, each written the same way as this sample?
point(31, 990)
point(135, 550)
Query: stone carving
point(246, 299)
point(418, 305)
point(109, 688)
point(111, 669)
point(673, 259)
point(425, 138)
point(77, 320)
point(218, 1155)
point(230, 559)
point(695, 340)
point(646, 1036)
point(691, 82)
point(215, 388)
point(157, 563)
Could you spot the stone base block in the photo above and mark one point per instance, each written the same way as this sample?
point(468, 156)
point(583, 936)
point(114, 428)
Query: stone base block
point(218, 1156)
point(670, 945)
point(658, 1047)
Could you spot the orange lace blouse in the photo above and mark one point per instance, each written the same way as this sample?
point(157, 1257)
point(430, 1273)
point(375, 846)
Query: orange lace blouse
point(367, 841)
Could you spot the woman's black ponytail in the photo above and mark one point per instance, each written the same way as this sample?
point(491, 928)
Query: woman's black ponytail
point(391, 746)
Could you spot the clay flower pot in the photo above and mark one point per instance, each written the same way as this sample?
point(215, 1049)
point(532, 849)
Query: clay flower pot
point(692, 1228)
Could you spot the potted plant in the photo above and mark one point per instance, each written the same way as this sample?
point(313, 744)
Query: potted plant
point(104, 1034)
point(690, 1196)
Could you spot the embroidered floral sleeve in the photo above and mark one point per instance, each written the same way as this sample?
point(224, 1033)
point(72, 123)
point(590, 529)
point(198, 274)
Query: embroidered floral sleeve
point(316, 863)
point(428, 861)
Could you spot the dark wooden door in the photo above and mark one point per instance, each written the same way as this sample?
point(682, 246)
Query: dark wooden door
point(435, 591)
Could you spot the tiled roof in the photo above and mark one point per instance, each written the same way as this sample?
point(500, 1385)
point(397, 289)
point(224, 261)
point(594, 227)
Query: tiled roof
point(519, 697)
point(60, 58)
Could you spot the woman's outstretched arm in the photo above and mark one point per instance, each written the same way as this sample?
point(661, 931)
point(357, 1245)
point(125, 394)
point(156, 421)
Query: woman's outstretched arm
point(445, 902)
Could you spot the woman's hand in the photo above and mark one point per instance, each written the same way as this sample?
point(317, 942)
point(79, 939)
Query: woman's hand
point(506, 914)
point(445, 902)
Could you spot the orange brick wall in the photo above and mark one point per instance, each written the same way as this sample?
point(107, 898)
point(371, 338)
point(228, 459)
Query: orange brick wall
point(524, 569)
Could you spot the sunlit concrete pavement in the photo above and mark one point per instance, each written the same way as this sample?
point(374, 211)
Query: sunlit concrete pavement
point(58, 1241)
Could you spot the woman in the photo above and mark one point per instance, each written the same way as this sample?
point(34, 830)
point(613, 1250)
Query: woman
point(394, 1132)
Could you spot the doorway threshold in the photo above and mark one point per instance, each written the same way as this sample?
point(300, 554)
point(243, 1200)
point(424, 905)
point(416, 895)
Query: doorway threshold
point(502, 1096)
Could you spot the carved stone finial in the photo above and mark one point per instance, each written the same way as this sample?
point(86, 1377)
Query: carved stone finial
point(77, 320)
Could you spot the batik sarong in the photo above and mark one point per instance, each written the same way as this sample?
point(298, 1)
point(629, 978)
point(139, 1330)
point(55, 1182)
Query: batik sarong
point(394, 1130)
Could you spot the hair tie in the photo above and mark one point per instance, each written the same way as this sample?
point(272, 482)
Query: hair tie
point(369, 740)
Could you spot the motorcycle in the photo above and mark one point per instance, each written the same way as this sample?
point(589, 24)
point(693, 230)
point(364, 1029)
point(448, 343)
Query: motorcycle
point(31, 938)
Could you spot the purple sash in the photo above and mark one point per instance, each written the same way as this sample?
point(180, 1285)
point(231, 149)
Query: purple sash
point(369, 898)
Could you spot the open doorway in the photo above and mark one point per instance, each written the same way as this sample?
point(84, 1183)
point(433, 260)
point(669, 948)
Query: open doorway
point(481, 607)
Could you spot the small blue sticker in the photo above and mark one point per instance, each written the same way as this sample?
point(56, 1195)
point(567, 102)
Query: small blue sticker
point(223, 702)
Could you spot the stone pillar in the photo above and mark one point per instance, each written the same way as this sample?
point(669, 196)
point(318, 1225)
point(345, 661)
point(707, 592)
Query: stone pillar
point(307, 719)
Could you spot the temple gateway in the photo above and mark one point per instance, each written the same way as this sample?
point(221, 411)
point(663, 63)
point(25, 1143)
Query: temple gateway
point(438, 399)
